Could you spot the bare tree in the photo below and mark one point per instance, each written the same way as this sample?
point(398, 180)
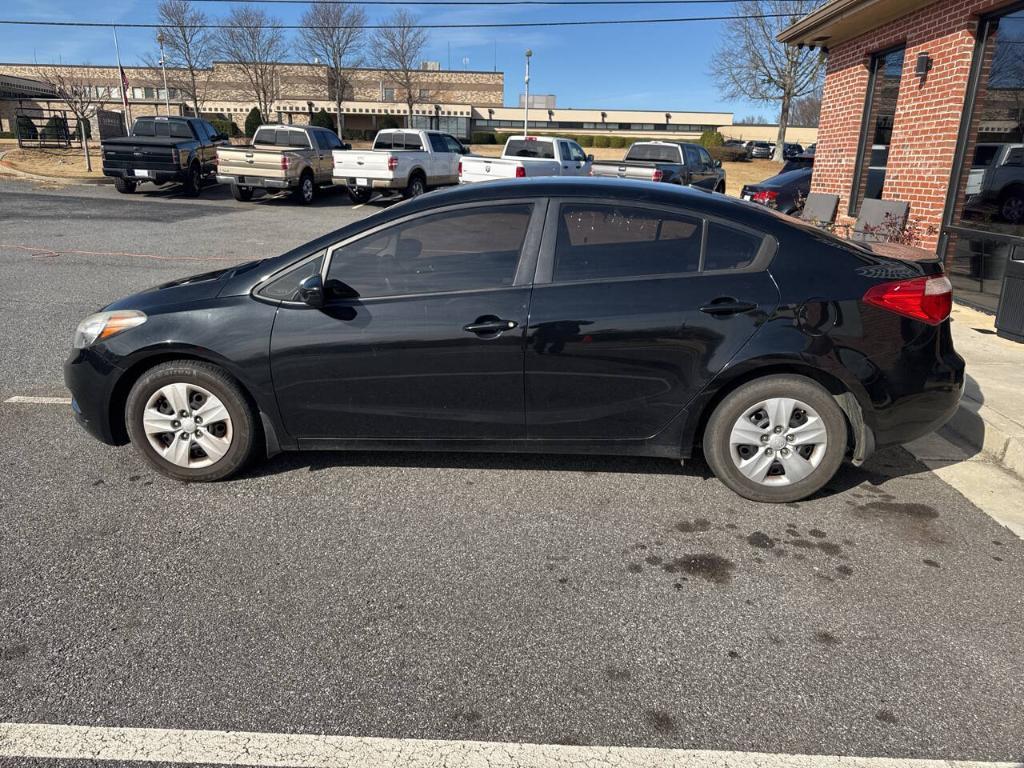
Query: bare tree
point(74, 88)
point(397, 49)
point(806, 111)
point(188, 50)
point(255, 41)
point(751, 120)
point(752, 64)
point(333, 36)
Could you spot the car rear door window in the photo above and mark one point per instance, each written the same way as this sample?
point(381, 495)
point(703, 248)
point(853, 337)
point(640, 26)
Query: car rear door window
point(692, 156)
point(461, 250)
point(730, 248)
point(597, 241)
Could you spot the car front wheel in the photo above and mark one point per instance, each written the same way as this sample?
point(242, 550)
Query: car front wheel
point(776, 439)
point(190, 421)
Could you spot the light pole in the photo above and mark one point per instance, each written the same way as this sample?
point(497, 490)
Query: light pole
point(167, 96)
point(526, 101)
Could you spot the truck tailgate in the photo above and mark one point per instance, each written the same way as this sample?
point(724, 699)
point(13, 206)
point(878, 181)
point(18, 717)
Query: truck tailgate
point(631, 170)
point(488, 169)
point(363, 164)
point(250, 161)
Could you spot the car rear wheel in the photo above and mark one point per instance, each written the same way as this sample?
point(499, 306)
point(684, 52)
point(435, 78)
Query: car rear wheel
point(241, 193)
point(306, 190)
point(124, 186)
point(1011, 207)
point(190, 421)
point(417, 186)
point(776, 439)
point(193, 181)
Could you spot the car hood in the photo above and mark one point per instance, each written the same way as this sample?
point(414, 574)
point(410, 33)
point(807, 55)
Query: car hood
point(185, 290)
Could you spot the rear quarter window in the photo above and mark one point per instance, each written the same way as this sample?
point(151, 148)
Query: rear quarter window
point(730, 248)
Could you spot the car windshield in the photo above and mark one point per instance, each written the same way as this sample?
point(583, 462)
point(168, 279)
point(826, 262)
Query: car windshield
point(654, 153)
point(530, 148)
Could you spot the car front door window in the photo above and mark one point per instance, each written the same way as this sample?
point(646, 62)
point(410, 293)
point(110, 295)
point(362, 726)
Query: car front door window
point(472, 249)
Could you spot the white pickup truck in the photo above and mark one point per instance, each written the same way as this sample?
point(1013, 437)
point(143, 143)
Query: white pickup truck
point(526, 156)
point(401, 159)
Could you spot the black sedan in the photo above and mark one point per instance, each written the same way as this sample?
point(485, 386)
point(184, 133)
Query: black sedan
point(559, 316)
point(784, 192)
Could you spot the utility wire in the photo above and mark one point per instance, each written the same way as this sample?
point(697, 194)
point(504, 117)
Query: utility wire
point(594, 22)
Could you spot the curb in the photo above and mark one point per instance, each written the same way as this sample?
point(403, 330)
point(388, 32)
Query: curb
point(53, 179)
point(989, 432)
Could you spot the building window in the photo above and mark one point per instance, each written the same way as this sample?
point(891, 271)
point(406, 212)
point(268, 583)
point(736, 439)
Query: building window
point(389, 94)
point(985, 213)
point(876, 130)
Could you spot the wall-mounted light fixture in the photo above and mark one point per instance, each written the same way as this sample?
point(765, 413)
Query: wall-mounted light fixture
point(924, 63)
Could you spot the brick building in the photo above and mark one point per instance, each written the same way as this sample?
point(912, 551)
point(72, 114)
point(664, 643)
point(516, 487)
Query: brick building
point(924, 102)
point(370, 97)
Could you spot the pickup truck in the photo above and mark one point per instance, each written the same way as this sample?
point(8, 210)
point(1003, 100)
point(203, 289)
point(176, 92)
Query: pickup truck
point(163, 150)
point(669, 162)
point(995, 183)
point(403, 160)
point(528, 156)
point(295, 157)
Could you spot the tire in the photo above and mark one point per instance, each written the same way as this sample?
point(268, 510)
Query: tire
point(244, 194)
point(306, 191)
point(797, 460)
point(193, 183)
point(360, 195)
point(195, 387)
point(1011, 207)
point(124, 186)
point(417, 186)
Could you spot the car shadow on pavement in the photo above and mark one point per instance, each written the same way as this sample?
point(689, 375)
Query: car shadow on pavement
point(887, 464)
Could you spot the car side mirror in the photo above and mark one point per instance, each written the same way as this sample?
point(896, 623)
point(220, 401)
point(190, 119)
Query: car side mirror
point(718, 163)
point(346, 147)
point(590, 158)
point(311, 291)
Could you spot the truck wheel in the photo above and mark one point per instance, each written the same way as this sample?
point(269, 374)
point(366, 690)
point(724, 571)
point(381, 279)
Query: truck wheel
point(1011, 207)
point(360, 195)
point(241, 193)
point(193, 181)
point(306, 190)
point(124, 186)
point(417, 186)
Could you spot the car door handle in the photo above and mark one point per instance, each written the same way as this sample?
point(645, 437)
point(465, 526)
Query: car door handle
point(483, 326)
point(727, 305)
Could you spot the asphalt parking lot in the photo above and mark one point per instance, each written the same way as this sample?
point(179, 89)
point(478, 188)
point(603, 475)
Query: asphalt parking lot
point(552, 600)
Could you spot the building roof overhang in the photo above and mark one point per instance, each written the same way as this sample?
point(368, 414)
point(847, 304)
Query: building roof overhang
point(840, 20)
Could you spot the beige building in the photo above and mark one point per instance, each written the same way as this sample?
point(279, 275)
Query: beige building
point(459, 102)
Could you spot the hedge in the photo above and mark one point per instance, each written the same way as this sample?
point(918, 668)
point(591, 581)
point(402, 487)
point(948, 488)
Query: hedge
point(729, 154)
point(585, 141)
point(225, 126)
point(322, 119)
point(483, 137)
point(253, 121)
point(710, 139)
point(619, 142)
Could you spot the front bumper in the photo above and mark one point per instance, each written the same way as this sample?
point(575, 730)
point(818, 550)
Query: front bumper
point(92, 379)
point(256, 182)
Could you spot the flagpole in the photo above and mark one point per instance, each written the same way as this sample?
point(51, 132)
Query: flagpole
point(124, 86)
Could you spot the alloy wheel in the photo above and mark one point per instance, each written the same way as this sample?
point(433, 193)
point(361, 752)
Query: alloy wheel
point(307, 189)
point(778, 441)
point(187, 425)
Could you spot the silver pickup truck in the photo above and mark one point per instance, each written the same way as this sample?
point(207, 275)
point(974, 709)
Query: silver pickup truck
point(295, 157)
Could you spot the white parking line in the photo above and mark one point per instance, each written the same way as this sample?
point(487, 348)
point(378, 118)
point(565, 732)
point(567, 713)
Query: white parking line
point(23, 740)
point(39, 400)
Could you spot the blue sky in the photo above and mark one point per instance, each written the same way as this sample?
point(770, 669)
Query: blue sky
point(615, 66)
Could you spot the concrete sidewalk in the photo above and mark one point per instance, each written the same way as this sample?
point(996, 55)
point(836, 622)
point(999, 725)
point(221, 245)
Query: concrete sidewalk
point(991, 417)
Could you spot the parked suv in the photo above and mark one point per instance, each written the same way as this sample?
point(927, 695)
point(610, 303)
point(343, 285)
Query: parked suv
point(163, 150)
point(295, 157)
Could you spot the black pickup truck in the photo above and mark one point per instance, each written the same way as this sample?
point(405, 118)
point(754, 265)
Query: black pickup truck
point(164, 150)
point(670, 162)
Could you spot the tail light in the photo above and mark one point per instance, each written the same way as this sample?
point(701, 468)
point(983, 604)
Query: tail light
point(520, 172)
point(765, 196)
point(929, 299)
point(460, 169)
point(657, 175)
point(392, 163)
point(284, 162)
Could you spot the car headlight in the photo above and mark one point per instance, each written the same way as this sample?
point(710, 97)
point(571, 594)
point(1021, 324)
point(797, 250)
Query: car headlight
point(104, 325)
